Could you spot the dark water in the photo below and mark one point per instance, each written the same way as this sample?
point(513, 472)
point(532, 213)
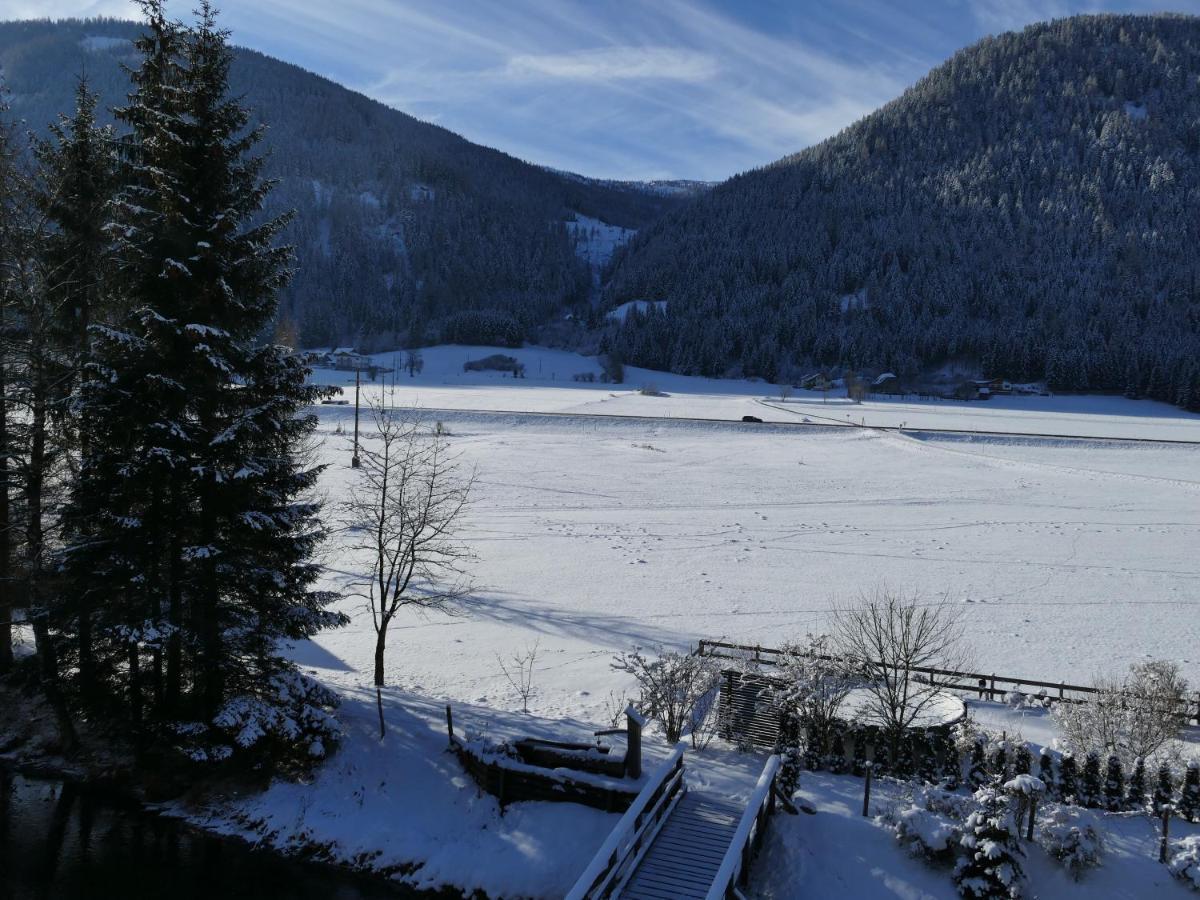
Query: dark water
point(57, 841)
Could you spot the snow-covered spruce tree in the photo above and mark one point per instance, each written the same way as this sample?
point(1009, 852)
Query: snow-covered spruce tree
point(1046, 771)
point(1164, 789)
point(193, 530)
point(1136, 797)
point(8, 261)
point(1022, 760)
point(1068, 778)
point(1189, 795)
point(990, 862)
point(1000, 761)
point(1114, 785)
point(977, 773)
point(1091, 785)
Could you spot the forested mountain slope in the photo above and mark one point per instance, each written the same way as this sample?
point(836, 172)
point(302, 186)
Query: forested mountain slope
point(1032, 205)
point(400, 224)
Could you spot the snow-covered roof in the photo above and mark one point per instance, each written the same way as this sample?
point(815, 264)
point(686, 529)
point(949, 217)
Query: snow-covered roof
point(340, 350)
point(884, 377)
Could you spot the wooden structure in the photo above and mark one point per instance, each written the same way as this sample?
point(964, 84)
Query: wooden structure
point(555, 771)
point(673, 843)
point(985, 686)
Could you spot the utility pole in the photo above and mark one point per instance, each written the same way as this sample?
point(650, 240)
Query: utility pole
point(354, 460)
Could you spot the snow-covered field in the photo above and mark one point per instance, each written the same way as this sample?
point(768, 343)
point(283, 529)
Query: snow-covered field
point(549, 387)
point(1068, 557)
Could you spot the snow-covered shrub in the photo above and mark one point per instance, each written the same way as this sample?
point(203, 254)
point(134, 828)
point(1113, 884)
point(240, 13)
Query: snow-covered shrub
point(1164, 789)
point(930, 824)
point(989, 864)
point(1114, 785)
point(1189, 798)
point(931, 835)
point(1072, 837)
point(671, 684)
point(1091, 785)
point(288, 723)
point(1136, 797)
point(1022, 760)
point(1068, 778)
point(977, 774)
point(1046, 770)
point(1184, 862)
point(1137, 715)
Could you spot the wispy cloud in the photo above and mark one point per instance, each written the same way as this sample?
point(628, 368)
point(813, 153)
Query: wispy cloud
point(615, 64)
point(640, 89)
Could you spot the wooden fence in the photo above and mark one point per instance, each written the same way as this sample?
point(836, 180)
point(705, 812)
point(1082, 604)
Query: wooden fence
point(985, 686)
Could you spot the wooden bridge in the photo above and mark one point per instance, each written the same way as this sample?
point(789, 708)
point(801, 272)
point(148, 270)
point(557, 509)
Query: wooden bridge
point(673, 843)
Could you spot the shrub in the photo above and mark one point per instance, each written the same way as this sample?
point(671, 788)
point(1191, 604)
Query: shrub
point(1136, 797)
point(1068, 778)
point(497, 362)
point(1114, 784)
point(931, 835)
point(1164, 789)
point(672, 686)
point(1091, 787)
point(1184, 862)
point(1072, 837)
point(1189, 799)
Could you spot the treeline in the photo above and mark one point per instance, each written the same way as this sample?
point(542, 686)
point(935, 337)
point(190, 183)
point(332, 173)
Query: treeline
point(399, 224)
point(1029, 206)
point(157, 522)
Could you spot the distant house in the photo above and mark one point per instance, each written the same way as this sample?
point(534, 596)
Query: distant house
point(818, 381)
point(348, 358)
point(989, 386)
point(886, 383)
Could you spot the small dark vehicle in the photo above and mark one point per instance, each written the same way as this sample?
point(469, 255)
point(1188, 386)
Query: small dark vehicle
point(752, 419)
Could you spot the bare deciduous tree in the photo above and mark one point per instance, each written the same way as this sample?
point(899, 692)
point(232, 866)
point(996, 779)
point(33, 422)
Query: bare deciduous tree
point(519, 673)
point(674, 689)
point(1132, 717)
point(885, 637)
point(405, 511)
point(785, 391)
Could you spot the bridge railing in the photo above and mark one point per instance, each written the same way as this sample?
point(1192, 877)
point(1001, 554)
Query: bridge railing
point(620, 854)
point(735, 867)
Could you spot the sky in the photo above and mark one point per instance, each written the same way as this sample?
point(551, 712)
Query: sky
point(636, 89)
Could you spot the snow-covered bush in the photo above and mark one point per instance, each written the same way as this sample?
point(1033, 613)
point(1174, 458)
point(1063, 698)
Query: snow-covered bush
point(1189, 797)
point(1136, 797)
point(1134, 716)
point(1184, 862)
point(1068, 778)
point(931, 835)
point(288, 723)
point(1114, 784)
point(989, 865)
point(671, 685)
point(1071, 836)
point(1091, 785)
point(930, 825)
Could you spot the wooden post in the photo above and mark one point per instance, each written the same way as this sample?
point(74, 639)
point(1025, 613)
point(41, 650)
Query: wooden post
point(354, 460)
point(450, 724)
point(633, 743)
point(867, 789)
point(1166, 824)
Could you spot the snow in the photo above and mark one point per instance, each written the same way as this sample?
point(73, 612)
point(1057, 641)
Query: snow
point(596, 240)
point(96, 43)
point(837, 854)
point(619, 313)
point(548, 388)
point(861, 704)
point(593, 533)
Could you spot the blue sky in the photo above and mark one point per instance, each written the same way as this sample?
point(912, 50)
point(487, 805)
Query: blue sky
point(629, 89)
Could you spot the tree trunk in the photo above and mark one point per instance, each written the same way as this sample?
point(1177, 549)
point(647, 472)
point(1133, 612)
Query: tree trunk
point(48, 670)
point(380, 644)
point(6, 582)
point(174, 612)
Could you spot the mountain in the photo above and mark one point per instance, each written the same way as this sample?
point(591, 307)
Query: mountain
point(1031, 207)
point(403, 230)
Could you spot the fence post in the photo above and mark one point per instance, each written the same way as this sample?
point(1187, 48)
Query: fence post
point(450, 724)
point(633, 743)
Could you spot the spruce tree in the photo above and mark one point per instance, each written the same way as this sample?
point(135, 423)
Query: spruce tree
point(1164, 789)
point(1000, 761)
point(77, 178)
point(1046, 770)
point(1114, 784)
point(1136, 798)
point(1022, 760)
point(1068, 778)
point(1189, 796)
point(192, 518)
point(989, 866)
point(1091, 787)
point(977, 774)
